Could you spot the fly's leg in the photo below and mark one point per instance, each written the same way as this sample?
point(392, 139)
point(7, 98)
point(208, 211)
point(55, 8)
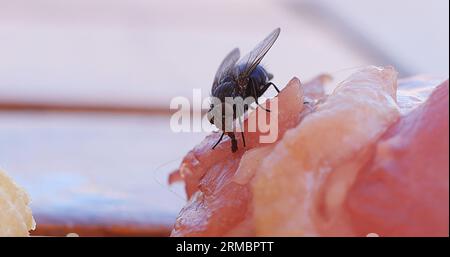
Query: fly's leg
point(218, 141)
point(271, 84)
point(256, 97)
point(242, 131)
point(243, 138)
point(239, 114)
point(234, 146)
point(276, 88)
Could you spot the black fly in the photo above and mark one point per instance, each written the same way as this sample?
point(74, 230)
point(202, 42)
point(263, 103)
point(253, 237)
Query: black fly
point(241, 78)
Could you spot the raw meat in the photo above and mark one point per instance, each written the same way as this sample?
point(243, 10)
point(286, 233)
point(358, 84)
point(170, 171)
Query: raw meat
point(365, 159)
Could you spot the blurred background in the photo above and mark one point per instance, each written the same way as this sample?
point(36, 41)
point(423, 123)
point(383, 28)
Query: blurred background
point(85, 87)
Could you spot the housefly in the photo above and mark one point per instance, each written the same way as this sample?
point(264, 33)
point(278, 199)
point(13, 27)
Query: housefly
point(243, 78)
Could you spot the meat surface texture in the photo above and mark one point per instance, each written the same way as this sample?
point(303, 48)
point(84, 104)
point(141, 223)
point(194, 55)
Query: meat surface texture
point(368, 158)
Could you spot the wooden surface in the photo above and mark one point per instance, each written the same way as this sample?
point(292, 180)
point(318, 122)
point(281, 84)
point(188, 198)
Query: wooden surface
point(95, 174)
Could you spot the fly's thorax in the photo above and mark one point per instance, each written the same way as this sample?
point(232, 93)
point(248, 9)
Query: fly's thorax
point(225, 89)
point(242, 85)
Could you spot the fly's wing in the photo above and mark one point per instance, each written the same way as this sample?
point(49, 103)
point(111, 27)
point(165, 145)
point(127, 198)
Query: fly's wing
point(226, 66)
point(252, 59)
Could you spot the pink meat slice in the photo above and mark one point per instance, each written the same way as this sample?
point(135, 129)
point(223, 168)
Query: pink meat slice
point(300, 187)
point(217, 205)
point(403, 190)
point(365, 159)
